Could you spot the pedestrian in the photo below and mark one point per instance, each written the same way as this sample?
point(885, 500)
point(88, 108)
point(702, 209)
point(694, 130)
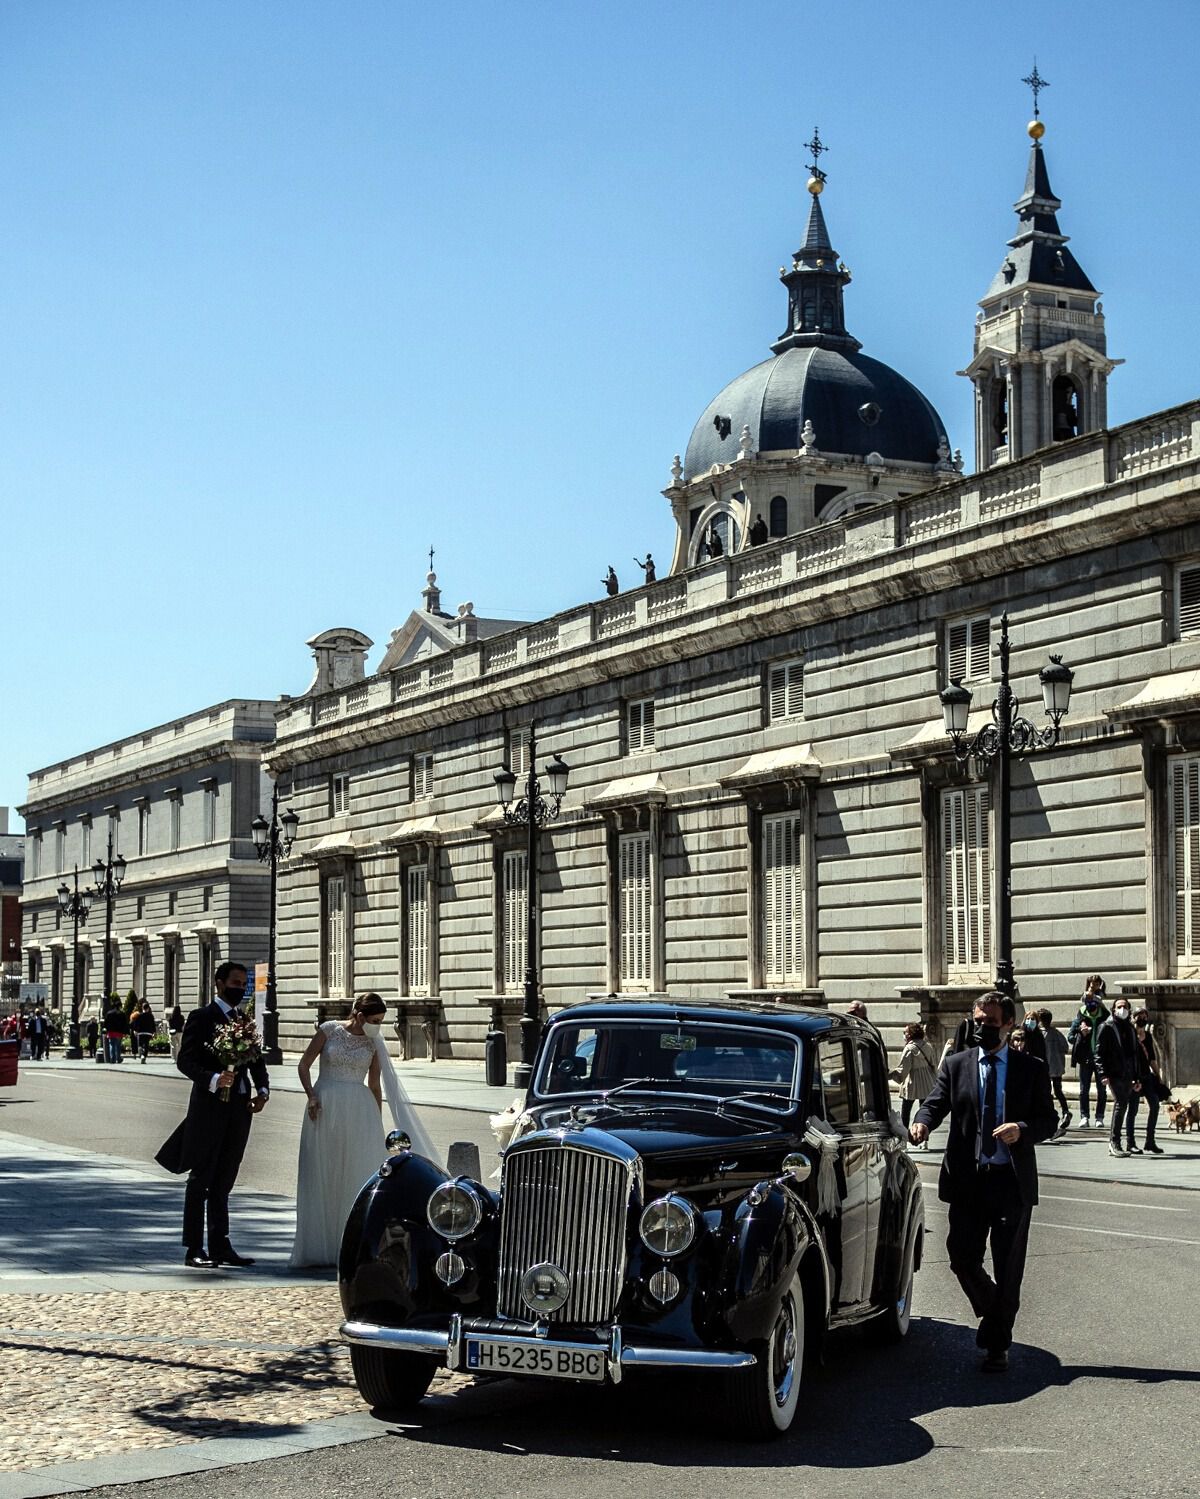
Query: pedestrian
point(39, 1035)
point(175, 1031)
point(116, 1028)
point(211, 1141)
point(1118, 1060)
point(92, 1031)
point(999, 1106)
point(1082, 1039)
point(1031, 1032)
point(857, 1009)
point(143, 1026)
point(916, 1072)
point(1153, 1089)
point(1017, 1039)
point(1057, 1052)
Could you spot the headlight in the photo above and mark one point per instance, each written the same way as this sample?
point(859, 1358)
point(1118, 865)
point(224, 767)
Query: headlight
point(454, 1210)
point(668, 1226)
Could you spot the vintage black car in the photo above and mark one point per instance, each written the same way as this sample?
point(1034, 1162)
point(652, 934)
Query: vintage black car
point(693, 1185)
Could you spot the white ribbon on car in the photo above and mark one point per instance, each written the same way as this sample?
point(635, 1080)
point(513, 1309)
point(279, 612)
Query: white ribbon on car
point(509, 1125)
point(826, 1140)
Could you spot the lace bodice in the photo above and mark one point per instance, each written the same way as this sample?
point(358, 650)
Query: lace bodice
point(345, 1058)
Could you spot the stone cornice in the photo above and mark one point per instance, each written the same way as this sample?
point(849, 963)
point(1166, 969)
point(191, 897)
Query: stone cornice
point(75, 790)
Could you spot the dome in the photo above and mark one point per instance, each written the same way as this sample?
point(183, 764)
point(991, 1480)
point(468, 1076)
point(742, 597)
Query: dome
point(856, 406)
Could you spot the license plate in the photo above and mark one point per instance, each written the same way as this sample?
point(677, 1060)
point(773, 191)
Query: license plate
point(496, 1356)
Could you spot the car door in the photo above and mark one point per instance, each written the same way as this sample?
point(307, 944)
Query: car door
point(876, 1135)
point(846, 1239)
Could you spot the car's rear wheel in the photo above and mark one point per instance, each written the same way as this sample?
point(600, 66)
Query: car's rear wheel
point(388, 1379)
point(894, 1321)
point(762, 1401)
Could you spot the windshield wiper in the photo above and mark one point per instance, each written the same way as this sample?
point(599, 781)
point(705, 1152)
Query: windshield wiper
point(633, 1082)
point(776, 1098)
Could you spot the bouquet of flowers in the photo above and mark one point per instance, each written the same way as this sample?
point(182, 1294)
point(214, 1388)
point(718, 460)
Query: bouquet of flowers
point(235, 1045)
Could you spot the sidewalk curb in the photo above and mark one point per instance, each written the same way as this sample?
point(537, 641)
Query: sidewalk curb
point(193, 1457)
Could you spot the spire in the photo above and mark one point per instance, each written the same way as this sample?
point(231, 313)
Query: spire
point(816, 315)
point(1040, 256)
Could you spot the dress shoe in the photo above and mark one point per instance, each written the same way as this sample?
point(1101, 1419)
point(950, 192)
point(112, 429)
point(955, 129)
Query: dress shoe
point(1154, 1149)
point(996, 1361)
point(1132, 1149)
point(1114, 1149)
point(196, 1259)
point(230, 1256)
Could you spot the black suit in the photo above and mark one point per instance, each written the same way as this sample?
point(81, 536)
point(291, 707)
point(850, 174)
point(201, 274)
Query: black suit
point(211, 1141)
point(984, 1199)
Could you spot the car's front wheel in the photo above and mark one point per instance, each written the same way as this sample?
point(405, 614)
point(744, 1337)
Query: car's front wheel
point(762, 1400)
point(388, 1379)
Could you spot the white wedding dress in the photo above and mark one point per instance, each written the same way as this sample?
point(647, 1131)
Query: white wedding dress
point(343, 1146)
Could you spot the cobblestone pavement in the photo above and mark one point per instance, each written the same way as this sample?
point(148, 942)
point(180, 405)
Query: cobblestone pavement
point(106, 1373)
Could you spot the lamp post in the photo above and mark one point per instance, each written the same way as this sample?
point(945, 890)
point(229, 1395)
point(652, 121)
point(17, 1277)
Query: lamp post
point(108, 874)
point(76, 904)
point(272, 842)
point(532, 810)
point(1009, 736)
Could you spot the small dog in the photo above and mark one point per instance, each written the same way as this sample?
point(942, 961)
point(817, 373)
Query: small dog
point(1193, 1114)
point(1177, 1116)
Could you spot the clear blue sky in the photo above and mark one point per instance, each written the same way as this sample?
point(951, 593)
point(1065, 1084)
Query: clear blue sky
point(291, 290)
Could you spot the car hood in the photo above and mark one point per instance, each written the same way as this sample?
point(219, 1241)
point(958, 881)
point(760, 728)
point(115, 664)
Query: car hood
point(694, 1150)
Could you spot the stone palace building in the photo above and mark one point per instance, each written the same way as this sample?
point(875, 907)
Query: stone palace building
point(762, 797)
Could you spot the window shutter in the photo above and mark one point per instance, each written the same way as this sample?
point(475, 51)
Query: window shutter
point(640, 726)
point(418, 929)
point(785, 691)
point(634, 911)
point(967, 880)
point(422, 775)
point(783, 900)
point(515, 905)
point(335, 934)
point(957, 657)
point(979, 663)
point(1189, 601)
point(1185, 828)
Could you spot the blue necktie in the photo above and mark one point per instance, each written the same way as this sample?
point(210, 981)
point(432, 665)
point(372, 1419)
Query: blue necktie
point(987, 1142)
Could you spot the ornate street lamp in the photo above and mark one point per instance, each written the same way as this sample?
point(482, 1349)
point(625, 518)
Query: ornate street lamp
point(527, 806)
point(272, 842)
point(76, 904)
point(1009, 736)
point(108, 874)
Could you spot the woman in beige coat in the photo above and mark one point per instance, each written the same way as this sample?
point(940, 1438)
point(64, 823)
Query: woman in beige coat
point(916, 1073)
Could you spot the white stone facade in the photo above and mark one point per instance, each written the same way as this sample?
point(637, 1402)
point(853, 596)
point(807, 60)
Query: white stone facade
point(793, 826)
point(180, 799)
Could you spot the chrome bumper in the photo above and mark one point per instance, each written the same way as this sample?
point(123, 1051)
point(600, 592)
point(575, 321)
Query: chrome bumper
point(446, 1347)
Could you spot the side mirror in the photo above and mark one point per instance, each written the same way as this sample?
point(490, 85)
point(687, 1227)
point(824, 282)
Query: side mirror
point(397, 1141)
point(462, 1159)
point(797, 1168)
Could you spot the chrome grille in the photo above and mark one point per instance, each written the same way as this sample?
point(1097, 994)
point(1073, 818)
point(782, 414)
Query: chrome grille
point(567, 1206)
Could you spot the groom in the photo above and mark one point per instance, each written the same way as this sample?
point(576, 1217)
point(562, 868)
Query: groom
point(211, 1141)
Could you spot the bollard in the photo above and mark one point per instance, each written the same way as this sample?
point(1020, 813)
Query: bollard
point(495, 1058)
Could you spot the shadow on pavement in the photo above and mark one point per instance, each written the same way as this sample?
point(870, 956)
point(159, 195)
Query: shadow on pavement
point(861, 1410)
point(77, 1217)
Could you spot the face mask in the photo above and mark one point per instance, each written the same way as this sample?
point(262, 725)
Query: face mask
point(1121, 1012)
point(1031, 1024)
point(371, 1028)
point(233, 997)
point(986, 1035)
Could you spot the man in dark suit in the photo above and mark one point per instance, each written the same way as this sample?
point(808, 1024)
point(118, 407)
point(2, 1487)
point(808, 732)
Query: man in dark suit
point(1000, 1107)
point(211, 1141)
point(39, 1035)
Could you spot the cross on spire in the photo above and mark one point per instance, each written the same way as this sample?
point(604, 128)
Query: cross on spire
point(1037, 83)
point(818, 148)
point(430, 559)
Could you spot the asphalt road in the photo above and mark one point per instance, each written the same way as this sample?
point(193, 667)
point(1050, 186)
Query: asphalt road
point(1101, 1395)
point(129, 1111)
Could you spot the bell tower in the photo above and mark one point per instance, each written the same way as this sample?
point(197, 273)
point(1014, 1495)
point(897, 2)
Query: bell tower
point(1041, 362)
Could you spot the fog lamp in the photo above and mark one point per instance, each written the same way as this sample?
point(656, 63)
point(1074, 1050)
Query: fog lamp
point(450, 1268)
point(664, 1285)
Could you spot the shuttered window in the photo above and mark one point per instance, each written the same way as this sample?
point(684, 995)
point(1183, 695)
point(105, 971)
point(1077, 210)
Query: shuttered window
point(968, 646)
point(785, 691)
point(967, 881)
point(783, 899)
point(518, 756)
point(634, 909)
point(639, 726)
point(417, 947)
point(422, 776)
point(1185, 864)
point(339, 795)
point(514, 895)
point(1187, 601)
point(335, 934)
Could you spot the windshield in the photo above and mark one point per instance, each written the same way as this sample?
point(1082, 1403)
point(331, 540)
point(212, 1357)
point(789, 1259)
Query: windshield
point(671, 1057)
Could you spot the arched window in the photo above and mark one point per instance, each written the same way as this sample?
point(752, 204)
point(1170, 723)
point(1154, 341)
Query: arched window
point(1000, 414)
point(1064, 406)
point(779, 516)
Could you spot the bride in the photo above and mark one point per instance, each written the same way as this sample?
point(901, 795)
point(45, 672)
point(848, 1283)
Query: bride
point(342, 1136)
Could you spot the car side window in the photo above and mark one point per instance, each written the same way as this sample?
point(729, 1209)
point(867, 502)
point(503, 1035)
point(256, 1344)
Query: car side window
point(838, 1087)
point(873, 1098)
